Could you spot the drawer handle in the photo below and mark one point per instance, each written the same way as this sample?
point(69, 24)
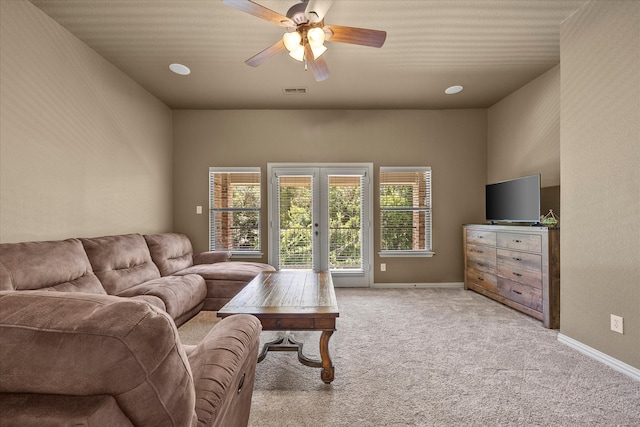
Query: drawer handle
point(516, 292)
point(517, 259)
point(478, 251)
point(517, 274)
point(278, 324)
point(517, 241)
point(481, 264)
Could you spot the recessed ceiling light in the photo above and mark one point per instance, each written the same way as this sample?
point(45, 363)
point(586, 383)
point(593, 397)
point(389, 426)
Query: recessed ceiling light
point(183, 70)
point(453, 90)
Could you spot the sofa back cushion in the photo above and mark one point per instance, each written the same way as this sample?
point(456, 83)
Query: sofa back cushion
point(85, 345)
point(171, 252)
point(56, 265)
point(120, 262)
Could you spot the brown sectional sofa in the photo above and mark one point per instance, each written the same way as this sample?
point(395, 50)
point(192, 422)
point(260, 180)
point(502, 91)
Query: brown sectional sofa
point(160, 269)
point(91, 337)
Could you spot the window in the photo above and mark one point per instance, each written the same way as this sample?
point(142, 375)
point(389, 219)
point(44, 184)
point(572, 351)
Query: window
point(234, 210)
point(405, 211)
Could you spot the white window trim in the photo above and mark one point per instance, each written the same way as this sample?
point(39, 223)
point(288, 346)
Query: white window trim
point(238, 254)
point(411, 253)
point(406, 254)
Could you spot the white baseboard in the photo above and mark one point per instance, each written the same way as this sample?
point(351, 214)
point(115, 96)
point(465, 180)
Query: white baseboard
point(448, 285)
point(601, 357)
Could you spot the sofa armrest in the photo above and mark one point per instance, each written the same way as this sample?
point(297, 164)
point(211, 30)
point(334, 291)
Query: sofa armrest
point(224, 367)
point(211, 257)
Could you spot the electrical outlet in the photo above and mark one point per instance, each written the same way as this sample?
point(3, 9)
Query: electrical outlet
point(617, 324)
point(383, 267)
point(199, 210)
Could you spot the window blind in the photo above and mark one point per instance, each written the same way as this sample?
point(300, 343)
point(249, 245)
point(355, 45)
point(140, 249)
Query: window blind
point(234, 209)
point(405, 209)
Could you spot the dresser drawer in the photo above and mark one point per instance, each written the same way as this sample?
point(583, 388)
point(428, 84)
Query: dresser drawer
point(522, 242)
point(531, 278)
point(482, 279)
point(481, 237)
point(522, 294)
point(481, 258)
point(520, 260)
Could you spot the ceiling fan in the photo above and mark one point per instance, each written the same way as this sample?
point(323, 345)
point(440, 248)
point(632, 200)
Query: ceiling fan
point(306, 33)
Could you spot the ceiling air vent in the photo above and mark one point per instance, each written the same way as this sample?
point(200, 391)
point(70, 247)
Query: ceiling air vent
point(294, 90)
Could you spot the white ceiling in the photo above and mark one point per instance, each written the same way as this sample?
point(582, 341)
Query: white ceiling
point(491, 47)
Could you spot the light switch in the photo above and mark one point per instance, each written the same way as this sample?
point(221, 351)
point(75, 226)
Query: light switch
point(199, 210)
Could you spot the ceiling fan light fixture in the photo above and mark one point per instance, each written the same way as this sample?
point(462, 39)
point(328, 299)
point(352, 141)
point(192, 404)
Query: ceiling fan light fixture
point(318, 50)
point(316, 36)
point(298, 53)
point(292, 40)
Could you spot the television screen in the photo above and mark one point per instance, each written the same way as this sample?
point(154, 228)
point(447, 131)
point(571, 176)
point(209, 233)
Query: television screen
point(515, 200)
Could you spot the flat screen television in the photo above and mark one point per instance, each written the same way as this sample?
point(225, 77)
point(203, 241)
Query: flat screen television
point(515, 200)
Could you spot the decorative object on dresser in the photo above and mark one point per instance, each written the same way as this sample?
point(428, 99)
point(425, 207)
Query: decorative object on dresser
point(518, 266)
point(550, 219)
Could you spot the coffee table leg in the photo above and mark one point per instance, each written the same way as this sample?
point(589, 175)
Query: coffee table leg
point(327, 372)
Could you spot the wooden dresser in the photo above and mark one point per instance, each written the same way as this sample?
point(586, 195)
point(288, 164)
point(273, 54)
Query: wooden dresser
point(518, 266)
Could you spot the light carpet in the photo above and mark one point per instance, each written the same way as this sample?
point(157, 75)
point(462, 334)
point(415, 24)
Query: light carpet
point(435, 357)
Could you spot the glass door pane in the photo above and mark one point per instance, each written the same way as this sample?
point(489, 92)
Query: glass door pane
point(345, 222)
point(295, 218)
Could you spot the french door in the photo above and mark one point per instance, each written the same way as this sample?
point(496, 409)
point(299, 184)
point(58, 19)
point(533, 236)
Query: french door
point(319, 219)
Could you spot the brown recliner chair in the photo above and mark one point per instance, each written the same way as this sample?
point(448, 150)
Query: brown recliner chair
point(70, 358)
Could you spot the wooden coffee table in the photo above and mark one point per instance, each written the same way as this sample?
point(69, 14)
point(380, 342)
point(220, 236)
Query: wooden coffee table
point(293, 300)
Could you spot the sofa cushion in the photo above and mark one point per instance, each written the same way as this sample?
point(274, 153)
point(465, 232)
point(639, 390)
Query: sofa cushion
point(170, 252)
point(120, 262)
point(237, 271)
point(56, 265)
point(180, 294)
point(225, 279)
point(73, 343)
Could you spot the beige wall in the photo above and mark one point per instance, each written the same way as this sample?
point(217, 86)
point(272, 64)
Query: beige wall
point(452, 142)
point(84, 150)
point(600, 167)
point(524, 132)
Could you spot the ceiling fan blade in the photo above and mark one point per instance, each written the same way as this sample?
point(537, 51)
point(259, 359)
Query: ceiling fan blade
point(317, 9)
point(318, 65)
point(258, 59)
point(359, 36)
point(261, 12)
